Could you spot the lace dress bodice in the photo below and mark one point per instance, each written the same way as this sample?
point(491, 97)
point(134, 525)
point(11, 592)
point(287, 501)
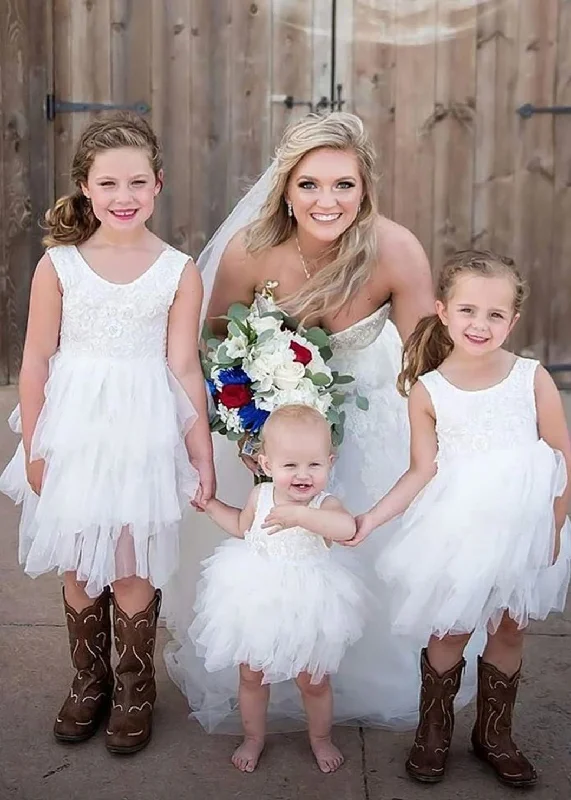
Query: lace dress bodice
point(109, 320)
point(501, 417)
point(295, 543)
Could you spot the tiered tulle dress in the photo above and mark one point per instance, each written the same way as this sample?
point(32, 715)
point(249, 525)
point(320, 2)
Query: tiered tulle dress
point(277, 602)
point(117, 475)
point(479, 539)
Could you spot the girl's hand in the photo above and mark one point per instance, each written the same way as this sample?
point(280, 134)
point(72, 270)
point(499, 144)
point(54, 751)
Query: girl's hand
point(365, 526)
point(35, 474)
point(207, 487)
point(282, 517)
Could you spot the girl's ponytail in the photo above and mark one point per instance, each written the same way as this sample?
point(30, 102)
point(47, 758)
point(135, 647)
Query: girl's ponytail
point(70, 221)
point(425, 349)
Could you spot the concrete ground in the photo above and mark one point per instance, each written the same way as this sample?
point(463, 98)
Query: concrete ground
point(183, 762)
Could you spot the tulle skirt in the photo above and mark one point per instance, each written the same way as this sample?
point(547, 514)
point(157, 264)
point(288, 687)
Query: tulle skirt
point(280, 615)
point(117, 475)
point(479, 541)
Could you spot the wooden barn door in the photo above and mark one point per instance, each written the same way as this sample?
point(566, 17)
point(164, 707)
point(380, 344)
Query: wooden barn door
point(438, 85)
point(220, 81)
point(26, 170)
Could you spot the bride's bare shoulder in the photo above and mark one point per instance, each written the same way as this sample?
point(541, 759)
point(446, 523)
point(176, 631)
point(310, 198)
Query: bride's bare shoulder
point(400, 252)
point(236, 255)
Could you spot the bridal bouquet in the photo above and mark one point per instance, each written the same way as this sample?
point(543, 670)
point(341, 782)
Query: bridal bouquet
point(267, 361)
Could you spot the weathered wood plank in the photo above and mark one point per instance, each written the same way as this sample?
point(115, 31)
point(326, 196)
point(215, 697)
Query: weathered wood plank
point(24, 166)
point(454, 132)
point(415, 119)
point(373, 85)
point(219, 129)
point(292, 62)
point(534, 179)
point(321, 48)
point(559, 311)
point(199, 145)
point(250, 91)
point(177, 122)
point(4, 371)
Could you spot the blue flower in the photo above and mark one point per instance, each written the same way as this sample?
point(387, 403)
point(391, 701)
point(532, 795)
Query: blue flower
point(252, 418)
point(232, 375)
point(211, 387)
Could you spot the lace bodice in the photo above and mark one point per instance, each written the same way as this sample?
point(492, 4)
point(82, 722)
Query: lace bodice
point(110, 320)
point(501, 417)
point(294, 543)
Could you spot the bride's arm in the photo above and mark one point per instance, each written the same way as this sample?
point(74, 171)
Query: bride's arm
point(405, 264)
point(423, 450)
point(235, 282)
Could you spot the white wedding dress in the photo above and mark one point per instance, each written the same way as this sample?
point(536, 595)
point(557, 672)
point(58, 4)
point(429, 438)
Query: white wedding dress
point(379, 679)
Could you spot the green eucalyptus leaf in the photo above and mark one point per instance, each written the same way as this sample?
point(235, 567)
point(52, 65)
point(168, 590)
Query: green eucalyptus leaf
point(238, 311)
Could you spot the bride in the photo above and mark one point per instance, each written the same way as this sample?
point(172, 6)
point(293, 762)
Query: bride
point(310, 229)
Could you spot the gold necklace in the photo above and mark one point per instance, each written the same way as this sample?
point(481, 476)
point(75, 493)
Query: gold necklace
point(302, 259)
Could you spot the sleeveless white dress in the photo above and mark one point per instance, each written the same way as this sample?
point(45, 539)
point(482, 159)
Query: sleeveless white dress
point(276, 602)
point(479, 539)
point(378, 681)
point(117, 476)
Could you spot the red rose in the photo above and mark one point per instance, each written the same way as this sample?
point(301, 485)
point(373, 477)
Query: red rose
point(235, 395)
point(302, 354)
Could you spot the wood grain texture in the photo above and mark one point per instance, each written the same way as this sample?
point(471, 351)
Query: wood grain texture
point(534, 175)
point(292, 62)
point(454, 131)
point(25, 175)
point(436, 83)
point(415, 121)
point(373, 87)
point(560, 278)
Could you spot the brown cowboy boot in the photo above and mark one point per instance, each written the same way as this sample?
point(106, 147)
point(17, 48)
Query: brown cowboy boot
point(90, 694)
point(491, 738)
point(130, 723)
point(427, 759)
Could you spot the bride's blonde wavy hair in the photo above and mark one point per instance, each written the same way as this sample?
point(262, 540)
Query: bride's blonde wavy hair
point(355, 252)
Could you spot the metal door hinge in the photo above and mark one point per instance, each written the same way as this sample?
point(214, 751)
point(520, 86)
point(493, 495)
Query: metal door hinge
point(54, 107)
point(528, 110)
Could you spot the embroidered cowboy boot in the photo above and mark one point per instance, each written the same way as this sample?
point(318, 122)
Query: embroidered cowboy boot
point(427, 760)
point(90, 694)
point(492, 734)
point(130, 723)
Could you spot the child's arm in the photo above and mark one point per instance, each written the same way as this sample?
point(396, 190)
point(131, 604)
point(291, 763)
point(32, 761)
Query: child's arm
point(552, 428)
point(184, 362)
point(42, 336)
point(234, 521)
point(331, 520)
point(423, 450)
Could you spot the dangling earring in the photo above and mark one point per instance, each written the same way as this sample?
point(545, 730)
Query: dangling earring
point(289, 209)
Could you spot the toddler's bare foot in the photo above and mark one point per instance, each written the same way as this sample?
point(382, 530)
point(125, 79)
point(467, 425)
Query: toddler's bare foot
point(329, 758)
point(246, 756)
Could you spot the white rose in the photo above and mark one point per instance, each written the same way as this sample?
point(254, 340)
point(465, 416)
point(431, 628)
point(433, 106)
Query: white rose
point(261, 324)
point(288, 376)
